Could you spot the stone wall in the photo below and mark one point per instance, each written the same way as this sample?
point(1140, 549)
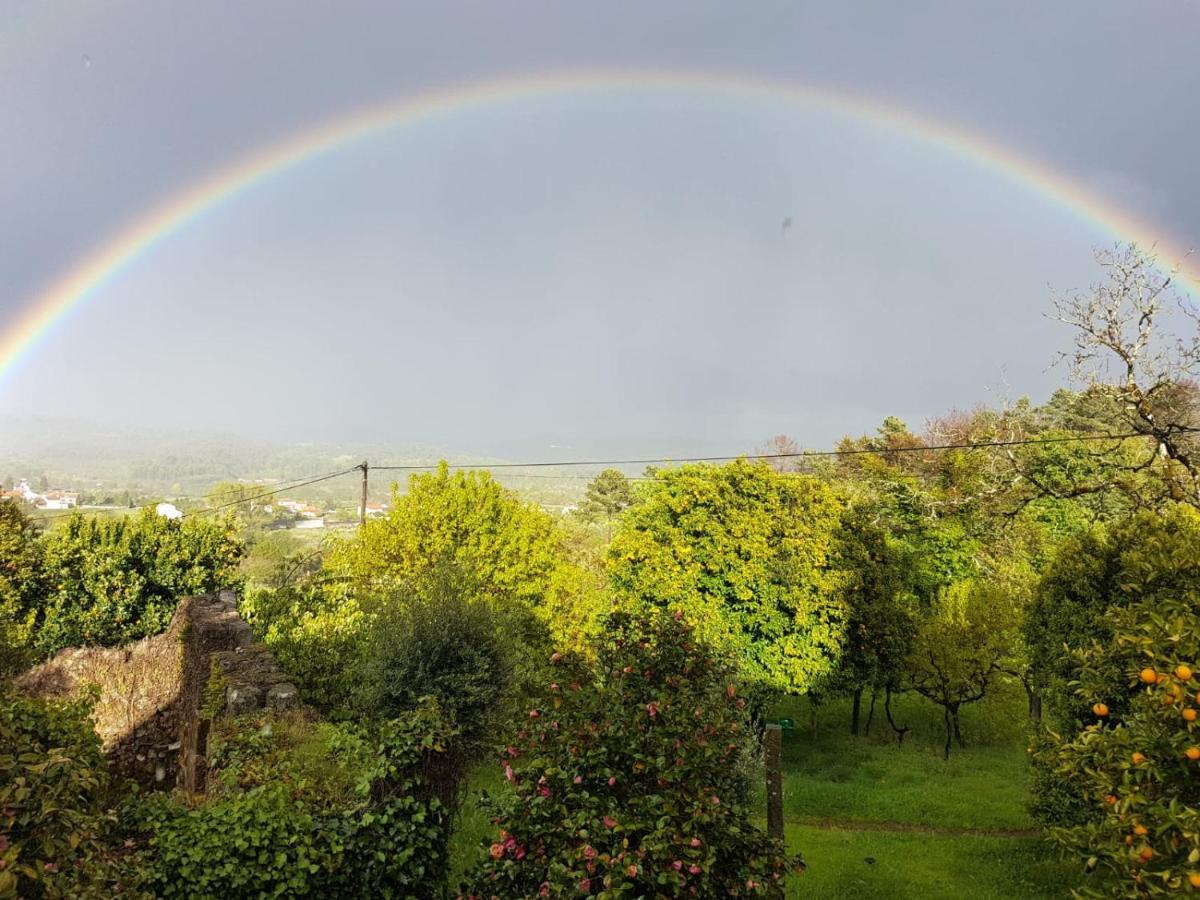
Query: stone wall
point(157, 697)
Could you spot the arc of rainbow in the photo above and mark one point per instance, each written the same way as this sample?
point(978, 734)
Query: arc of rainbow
point(84, 279)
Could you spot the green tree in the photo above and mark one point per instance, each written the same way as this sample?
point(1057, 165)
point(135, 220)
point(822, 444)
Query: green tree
point(746, 553)
point(961, 648)
point(1151, 557)
point(608, 495)
point(113, 581)
point(882, 616)
point(502, 548)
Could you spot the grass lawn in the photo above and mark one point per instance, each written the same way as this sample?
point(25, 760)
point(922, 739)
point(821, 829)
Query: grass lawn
point(931, 828)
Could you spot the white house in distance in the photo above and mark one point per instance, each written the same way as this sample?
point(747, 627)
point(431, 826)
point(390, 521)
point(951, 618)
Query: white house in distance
point(48, 500)
point(168, 511)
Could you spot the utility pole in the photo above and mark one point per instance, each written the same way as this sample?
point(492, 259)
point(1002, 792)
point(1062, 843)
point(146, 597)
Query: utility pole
point(362, 509)
point(774, 765)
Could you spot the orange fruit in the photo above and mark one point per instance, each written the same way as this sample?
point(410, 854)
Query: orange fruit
point(1140, 830)
point(1189, 714)
point(1194, 879)
point(1149, 676)
point(1129, 840)
point(1192, 753)
point(1100, 709)
point(1183, 673)
point(1109, 798)
point(1146, 855)
point(1138, 757)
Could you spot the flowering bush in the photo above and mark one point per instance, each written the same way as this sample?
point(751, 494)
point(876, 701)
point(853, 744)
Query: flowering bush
point(625, 779)
point(1138, 765)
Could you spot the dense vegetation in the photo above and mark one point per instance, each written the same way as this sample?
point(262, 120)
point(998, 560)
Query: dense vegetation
point(623, 660)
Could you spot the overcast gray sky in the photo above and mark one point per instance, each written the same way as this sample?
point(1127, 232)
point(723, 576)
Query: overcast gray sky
point(600, 272)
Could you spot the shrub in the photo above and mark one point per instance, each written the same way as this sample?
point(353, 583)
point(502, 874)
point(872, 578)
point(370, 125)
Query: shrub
point(54, 819)
point(1137, 766)
point(442, 645)
point(359, 817)
point(21, 585)
point(625, 779)
point(114, 581)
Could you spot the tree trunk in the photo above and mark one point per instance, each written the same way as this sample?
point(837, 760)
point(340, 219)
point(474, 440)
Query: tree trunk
point(949, 731)
point(957, 731)
point(870, 713)
point(887, 708)
point(855, 711)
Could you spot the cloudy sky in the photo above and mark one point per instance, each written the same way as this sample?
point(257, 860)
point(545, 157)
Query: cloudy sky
point(576, 271)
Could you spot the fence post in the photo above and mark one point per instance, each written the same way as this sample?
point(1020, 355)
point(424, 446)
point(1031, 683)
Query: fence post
point(773, 750)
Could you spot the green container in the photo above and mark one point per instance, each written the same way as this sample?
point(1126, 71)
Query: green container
point(788, 727)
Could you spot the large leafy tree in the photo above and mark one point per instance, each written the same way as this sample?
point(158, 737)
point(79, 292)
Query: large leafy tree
point(500, 547)
point(746, 553)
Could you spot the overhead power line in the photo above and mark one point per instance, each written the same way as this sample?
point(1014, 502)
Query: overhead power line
point(798, 454)
point(242, 500)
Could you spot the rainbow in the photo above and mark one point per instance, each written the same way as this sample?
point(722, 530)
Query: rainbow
point(156, 225)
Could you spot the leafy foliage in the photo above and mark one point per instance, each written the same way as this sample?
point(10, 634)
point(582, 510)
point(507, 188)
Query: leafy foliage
point(364, 822)
point(1137, 765)
point(960, 648)
point(21, 585)
point(624, 778)
point(745, 553)
point(54, 820)
point(1147, 558)
point(113, 581)
point(502, 548)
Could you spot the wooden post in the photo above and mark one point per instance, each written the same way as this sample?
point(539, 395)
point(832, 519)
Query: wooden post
point(362, 509)
point(773, 750)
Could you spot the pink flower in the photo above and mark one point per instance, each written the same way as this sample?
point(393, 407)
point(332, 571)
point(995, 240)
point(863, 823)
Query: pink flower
point(610, 822)
point(694, 869)
point(543, 791)
point(716, 800)
point(554, 685)
point(632, 870)
point(751, 883)
point(612, 782)
point(677, 865)
point(578, 779)
point(555, 657)
point(545, 891)
point(589, 852)
point(520, 851)
point(533, 714)
point(695, 842)
point(496, 851)
point(678, 614)
point(730, 691)
point(513, 752)
point(652, 709)
point(51, 867)
point(585, 885)
point(508, 773)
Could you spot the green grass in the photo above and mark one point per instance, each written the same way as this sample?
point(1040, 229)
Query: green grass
point(924, 866)
point(934, 828)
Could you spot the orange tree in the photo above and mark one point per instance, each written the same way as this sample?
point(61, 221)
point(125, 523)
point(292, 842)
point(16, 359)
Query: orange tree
point(1138, 764)
point(625, 778)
